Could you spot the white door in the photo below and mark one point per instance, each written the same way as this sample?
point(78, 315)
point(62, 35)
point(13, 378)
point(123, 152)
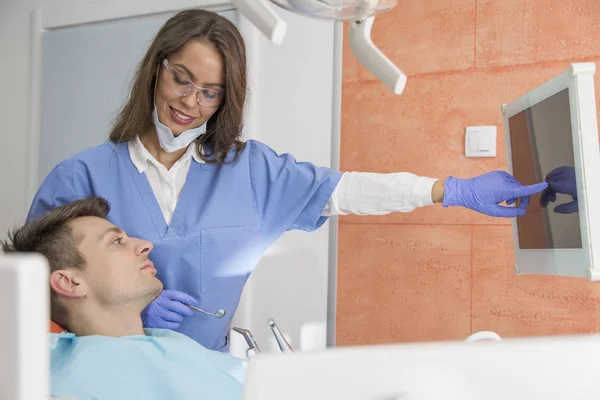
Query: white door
point(85, 54)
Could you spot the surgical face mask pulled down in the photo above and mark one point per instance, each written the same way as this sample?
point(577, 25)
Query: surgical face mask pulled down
point(171, 143)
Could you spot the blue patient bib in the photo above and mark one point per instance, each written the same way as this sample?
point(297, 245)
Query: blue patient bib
point(161, 365)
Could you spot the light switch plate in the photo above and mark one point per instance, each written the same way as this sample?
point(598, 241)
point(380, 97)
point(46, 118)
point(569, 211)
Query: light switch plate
point(480, 141)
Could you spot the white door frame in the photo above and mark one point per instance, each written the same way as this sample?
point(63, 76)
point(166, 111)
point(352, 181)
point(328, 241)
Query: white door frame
point(46, 19)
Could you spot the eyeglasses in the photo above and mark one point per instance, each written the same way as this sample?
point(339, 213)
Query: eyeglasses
point(183, 86)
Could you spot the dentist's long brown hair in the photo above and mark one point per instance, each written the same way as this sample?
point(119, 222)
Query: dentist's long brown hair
point(224, 128)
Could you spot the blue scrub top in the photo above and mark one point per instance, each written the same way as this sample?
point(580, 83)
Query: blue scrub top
point(226, 217)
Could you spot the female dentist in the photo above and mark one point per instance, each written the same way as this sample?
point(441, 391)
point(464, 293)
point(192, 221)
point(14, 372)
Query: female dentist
point(177, 174)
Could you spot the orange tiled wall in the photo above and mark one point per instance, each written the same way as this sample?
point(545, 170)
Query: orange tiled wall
point(436, 273)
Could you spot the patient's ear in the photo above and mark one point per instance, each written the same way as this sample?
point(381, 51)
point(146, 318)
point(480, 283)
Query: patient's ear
point(68, 283)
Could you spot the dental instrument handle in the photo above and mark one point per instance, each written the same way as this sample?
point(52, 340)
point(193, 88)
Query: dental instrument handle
point(219, 314)
point(252, 345)
point(284, 346)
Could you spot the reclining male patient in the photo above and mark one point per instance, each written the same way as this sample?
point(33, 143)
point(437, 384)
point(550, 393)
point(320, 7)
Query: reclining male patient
point(100, 281)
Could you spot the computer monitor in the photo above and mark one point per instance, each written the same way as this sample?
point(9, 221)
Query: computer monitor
point(552, 135)
point(24, 323)
point(553, 368)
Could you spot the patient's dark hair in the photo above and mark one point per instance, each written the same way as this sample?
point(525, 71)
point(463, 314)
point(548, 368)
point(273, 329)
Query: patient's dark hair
point(53, 237)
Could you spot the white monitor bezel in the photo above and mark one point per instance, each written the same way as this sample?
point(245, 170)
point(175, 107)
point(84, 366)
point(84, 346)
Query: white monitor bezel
point(579, 80)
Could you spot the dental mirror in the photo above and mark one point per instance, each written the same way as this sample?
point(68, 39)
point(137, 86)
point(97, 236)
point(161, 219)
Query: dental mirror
point(219, 314)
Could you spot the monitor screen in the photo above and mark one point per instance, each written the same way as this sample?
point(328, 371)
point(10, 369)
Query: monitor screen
point(542, 150)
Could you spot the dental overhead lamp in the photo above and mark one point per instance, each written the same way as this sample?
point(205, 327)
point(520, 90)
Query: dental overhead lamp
point(360, 13)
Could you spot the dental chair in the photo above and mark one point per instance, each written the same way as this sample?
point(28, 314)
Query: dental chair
point(55, 328)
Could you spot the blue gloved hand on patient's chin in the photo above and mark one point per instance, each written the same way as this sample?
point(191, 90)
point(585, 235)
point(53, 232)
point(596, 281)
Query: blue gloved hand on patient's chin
point(561, 180)
point(484, 193)
point(168, 310)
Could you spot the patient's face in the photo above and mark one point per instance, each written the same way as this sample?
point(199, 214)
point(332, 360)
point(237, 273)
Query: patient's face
point(118, 270)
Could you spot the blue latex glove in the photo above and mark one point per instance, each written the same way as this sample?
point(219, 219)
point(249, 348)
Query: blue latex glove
point(484, 193)
point(168, 310)
point(561, 180)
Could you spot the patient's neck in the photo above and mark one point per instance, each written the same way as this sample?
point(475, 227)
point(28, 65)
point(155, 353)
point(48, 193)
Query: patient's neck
point(126, 321)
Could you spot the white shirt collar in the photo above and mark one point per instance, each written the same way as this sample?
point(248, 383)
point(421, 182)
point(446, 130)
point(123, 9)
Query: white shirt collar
point(140, 155)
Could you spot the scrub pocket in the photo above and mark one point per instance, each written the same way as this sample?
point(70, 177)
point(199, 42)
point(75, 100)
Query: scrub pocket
point(224, 348)
point(228, 257)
